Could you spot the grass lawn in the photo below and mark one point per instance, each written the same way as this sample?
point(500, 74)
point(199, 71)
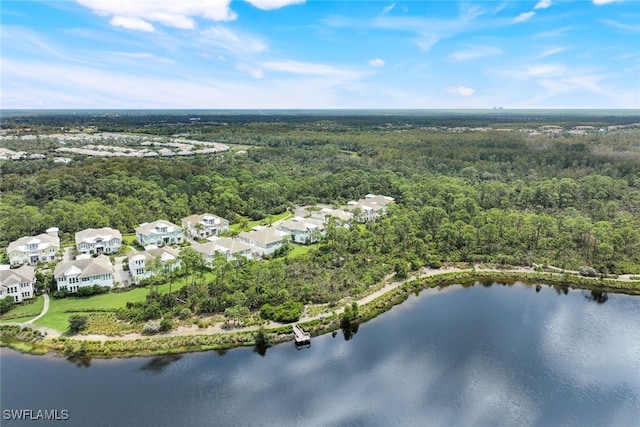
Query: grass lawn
point(271, 219)
point(301, 249)
point(58, 318)
point(24, 311)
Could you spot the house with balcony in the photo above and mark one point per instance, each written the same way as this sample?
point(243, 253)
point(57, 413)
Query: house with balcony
point(84, 271)
point(303, 230)
point(265, 240)
point(205, 225)
point(370, 208)
point(98, 241)
point(230, 248)
point(18, 283)
point(31, 250)
point(159, 233)
point(144, 264)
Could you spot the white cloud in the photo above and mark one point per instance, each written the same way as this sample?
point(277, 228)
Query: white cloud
point(389, 8)
point(622, 26)
point(545, 70)
point(603, 2)
point(525, 16)
point(131, 23)
point(233, 41)
point(309, 69)
point(552, 51)
point(139, 14)
point(542, 4)
point(461, 91)
point(273, 4)
point(473, 52)
point(254, 72)
point(376, 62)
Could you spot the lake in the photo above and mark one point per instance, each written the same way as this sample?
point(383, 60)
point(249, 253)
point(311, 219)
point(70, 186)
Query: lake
point(484, 355)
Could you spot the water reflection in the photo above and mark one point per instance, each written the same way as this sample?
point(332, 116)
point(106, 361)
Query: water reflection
point(157, 365)
point(597, 296)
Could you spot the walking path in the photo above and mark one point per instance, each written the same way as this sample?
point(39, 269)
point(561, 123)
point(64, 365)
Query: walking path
point(44, 309)
point(217, 328)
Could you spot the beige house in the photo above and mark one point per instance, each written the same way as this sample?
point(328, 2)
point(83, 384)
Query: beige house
point(304, 230)
point(370, 208)
point(205, 225)
point(230, 248)
point(98, 241)
point(86, 271)
point(17, 284)
point(265, 240)
point(34, 249)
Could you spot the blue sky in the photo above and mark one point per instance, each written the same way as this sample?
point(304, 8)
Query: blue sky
point(223, 54)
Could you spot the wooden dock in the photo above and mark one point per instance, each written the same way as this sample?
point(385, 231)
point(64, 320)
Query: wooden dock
point(301, 336)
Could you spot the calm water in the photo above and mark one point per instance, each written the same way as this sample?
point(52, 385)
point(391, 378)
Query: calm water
point(484, 355)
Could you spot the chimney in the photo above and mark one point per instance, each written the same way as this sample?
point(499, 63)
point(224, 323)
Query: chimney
point(53, 231)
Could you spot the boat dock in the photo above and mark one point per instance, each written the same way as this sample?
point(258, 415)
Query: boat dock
point(301, 336)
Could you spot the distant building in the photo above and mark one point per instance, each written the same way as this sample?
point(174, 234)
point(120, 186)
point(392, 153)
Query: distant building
point(341, 216)
point(205, 225)
point(72, 275)
point(141, 264)
point(370, 208)
point(265, 241)
point(34, 249)
point(304, 230)
point(231, 249)
point(17, 284)
point(159, 233)
point(98, 240)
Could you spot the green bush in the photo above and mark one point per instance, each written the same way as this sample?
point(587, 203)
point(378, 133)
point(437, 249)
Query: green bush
point(77, 323)
point(289, 311)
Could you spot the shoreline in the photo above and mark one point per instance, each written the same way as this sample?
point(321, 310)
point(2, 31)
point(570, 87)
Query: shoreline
point(25, 338)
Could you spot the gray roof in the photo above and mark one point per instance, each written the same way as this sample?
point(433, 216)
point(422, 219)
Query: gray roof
point(44, 241)
point(150, 227)
point(264, 236)
point(24, 274)
point(163, 252)
point(225, 245)
point(194, 219)
point(91, 234)
point(302, 224)
point(87, 267)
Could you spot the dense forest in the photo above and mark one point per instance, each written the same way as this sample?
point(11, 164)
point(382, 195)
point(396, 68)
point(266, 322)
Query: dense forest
point(499, 195)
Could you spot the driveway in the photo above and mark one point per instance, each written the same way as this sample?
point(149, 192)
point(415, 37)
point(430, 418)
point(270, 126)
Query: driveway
point(120, 275)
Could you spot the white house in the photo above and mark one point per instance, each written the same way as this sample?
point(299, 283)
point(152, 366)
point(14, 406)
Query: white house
point(87, 271)
point(141, 264)
point(17, 284)
point(33, 249)
point(370, 208)
point(159, 233)
point(265, 241)
point(304, 230)
point(98, 240)
point(341, 216)
point(230, 248)
point(205, 225)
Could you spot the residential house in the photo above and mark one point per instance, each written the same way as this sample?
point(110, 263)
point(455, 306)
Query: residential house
point(84, 271)
point(265, 240)
point(230, 248)
point(303, 230)
point(205, 225)
point(17, 284)
point(33, 249)
point(341, 216)
point(142, 264)
point(98, 240)
point(370, 208)
point(159, 233)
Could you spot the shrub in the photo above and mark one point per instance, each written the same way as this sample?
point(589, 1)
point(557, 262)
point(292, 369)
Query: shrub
point(289, 311)
point(587, 271)
point(151, 327)
point(185, 313)
point(77, 323)
point(166, 324)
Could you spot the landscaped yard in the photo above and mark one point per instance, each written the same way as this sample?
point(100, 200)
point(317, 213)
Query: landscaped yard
point(265, 221)
point(301, 249)
point(24, 311)
point(59, 309)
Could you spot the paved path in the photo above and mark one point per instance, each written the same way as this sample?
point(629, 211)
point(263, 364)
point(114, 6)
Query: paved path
point(44, 309)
